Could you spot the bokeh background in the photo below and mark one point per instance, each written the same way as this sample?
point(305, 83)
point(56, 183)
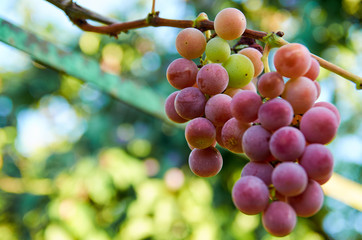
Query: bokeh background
point(77, 163)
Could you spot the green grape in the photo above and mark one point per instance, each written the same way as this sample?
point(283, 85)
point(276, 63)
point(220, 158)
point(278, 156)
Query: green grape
point(217, 50)
point(240, 70)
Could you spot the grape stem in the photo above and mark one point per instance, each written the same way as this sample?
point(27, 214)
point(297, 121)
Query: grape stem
point(265, 57)
point(79, 16)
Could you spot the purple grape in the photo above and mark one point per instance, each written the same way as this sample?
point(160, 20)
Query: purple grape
point(287, 144)
point(262, 170)
point(289, 179)
point(232, 135)
point(275, 113)
point(317, 161)
point(212, 79)
point(217, 109)
point(256, 143)
point(279, 219)
point(170, 109)
point(319, 125)
point(181, 73)
point(309, 202)
point(331, 107)
point(245, 105)
point(250, 195)
point(190, 103)
point(200, 133)
point(205, 162)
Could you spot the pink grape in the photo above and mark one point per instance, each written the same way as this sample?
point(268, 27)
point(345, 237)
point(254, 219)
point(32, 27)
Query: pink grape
point(212, 79)
point(230, 23)
point(256, 144)
point(331, 107)
point(292, 60)
point(275, 113)
point(270, 85)
point(200, 133)
point(279, 219)
point(309, 202)
point(218, 136)
point(217, 109)
point(255, 57)
point(205, 162)
point(287, 144)
point(181, 73)
point(317, 161)
point(319, 125)
point(190, 43)
point(170, 109)
point(262, 170)
point(289, 179)
point(301, 93)
point(318, 87)
point(232, 135)
point(313, 70)
point(250, 86)
point(190, 103)
point(250, 195)
point(232, 91)
point(245, 106)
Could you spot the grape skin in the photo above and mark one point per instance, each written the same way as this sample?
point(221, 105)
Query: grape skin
point(262, 170)
point(232, 135)
point(170, 109)
point(270, 85)
point(255, 57)
point(309, 202)
point(292, 60)
point(240, 70)
point(190, 103)
point(256, 144)
point(230, 23)
point(212, 79)
point(205, 162)
point(319, 125)
point(279, 219)
point(200, 133)
point(275, 113)
point(190, 43)
point(217, 109)
point(331, 107)
point(181, 73)
point(313, 70)
point(217, 50)
point(250, 195)
point(287, 144)
point(289, 179)
point(245, 106)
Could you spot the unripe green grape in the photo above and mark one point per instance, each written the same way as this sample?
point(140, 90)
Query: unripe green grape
point(217, 50)
point(240, 70)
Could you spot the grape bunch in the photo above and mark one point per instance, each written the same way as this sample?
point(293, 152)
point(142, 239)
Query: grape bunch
point(271, 117)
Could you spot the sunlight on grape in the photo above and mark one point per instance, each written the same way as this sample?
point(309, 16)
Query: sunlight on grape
point(139, 147)
point(174, 179)
point(344, 190)
point(89, 43)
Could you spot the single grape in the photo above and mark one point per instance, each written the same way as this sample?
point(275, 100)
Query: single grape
point(217, 50)
point(250, 195)
point(292, 60)
point(190, 103)
point(181, 73)
point(230, 23)
point(218, 136)
point(245, 106)
point(262, 170)
point(331, 107)
point(313, 70)
point(275, 113)
point(170, 109)
point(250, 86)
point(256, 144)
point(255, 57)
point(289, 179)
point(319, 125)
point(205, 162)
point(240, 70)
point(279, 219)
point(287, 144)
point(190, 43)
point(217, 109)
point(200, 133)
point(317, 161)
point(318, 87)
point(212, 79)
point(309, 202)
point(270, 85)
point(232, 91)
point(232, 135)
point(301, 93)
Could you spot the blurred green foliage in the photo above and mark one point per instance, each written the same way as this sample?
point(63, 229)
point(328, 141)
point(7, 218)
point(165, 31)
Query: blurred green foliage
point(77, 163)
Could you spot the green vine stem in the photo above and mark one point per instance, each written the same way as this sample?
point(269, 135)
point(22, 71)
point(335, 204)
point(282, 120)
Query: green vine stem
point(265, 57)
